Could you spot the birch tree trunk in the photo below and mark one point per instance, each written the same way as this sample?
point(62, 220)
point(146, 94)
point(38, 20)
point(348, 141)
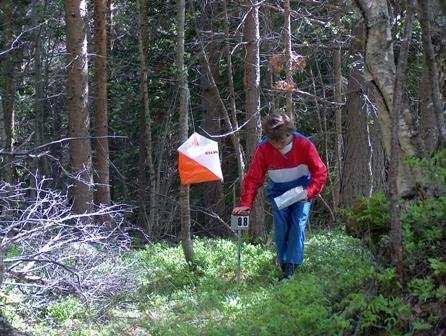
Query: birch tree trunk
point(395, 221)
point(79, 120)
point(101, 168)
point(185, 233)
point(145, 143)
point(252, 104)
point(380, 66)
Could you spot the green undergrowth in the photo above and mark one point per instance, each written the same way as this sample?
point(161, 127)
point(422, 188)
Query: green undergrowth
point(173, 299)
point(338, 291)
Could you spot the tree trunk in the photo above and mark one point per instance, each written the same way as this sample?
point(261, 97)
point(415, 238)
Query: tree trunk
point(39, 108)
point(9, 88)
point(235, 136)
point(252, 105)
point(429, 132)
point(110, 25)
point(425, 18)
point(145, 143)
point(380, 65)
point(339, 141)
point(364, 164)
point(395, 221)
point(288, 50)
point(213, 195)
point(185, 233)
point(102, 173)
point(79, 120)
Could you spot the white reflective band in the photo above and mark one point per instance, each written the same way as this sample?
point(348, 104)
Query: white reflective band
point(288, 174)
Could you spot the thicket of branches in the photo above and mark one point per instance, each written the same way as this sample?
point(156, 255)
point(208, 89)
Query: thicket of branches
point(47, 251)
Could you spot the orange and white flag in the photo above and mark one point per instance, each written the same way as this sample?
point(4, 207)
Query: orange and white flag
point(199, 161)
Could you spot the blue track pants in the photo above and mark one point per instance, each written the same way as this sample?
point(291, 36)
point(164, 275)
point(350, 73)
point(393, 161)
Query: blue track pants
point(289, 227)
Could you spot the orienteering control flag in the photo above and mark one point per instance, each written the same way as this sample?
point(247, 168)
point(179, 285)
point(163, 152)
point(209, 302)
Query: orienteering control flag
point(199, 161)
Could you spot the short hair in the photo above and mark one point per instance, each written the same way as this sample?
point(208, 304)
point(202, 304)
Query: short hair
point(277, 126)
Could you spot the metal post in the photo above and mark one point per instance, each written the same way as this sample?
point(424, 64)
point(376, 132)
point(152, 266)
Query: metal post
point(239, 252)
point(239, 223)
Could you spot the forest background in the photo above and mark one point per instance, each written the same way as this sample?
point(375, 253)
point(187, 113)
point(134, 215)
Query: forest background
point(96, 97)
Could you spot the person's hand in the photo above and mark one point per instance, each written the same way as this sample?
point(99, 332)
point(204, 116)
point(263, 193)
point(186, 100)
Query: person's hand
point(241, 210)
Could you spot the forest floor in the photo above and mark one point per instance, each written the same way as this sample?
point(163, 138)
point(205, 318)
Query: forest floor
point(171, 299)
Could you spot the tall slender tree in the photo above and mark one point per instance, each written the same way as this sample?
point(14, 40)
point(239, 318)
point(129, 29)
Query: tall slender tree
point(79, 120)
point(213, 196)
point(288, 51)
point(9, 86)
point(233, 107)
point(101, 162)
point(395, 221)
point(339, 140)
point(186, 239)
point(39, 106)
point(252, 102)
point(145, 129)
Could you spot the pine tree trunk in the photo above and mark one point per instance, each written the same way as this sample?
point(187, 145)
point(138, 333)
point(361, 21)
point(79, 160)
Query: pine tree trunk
point(425, 18)
point(145, 143)
point(364, 164)
point(79, 120)
point(213, 196)
point(339, 141)
point(9, 88)
point(252, 105)
point(110, 24)
point(395, 221)
point(233, 109)
point(185, 234)
point(39, 108)
point(101, 168)
point(429, 132)
point(288, 50)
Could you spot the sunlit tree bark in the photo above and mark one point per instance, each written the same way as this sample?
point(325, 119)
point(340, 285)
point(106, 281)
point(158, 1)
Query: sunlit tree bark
point(79, 120)
point(185, 234)
point(252, 103)
point(101, 162)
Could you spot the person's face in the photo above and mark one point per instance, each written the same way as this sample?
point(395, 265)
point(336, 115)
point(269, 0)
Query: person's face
point(279, 144)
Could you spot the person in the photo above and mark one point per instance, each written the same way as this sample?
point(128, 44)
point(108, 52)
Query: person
point(296, 176)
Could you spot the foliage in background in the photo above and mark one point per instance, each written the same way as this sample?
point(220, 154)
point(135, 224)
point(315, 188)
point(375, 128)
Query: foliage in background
point(423, 221)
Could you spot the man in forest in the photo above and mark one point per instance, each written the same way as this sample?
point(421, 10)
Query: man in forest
point(296, 176)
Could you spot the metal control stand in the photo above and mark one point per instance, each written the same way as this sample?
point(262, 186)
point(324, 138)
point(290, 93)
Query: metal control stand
point(239, 223)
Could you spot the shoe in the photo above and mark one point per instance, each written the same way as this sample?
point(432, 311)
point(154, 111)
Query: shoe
point(283, 267)
point(289, 270)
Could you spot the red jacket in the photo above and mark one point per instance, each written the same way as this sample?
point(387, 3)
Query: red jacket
point(301, 166)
